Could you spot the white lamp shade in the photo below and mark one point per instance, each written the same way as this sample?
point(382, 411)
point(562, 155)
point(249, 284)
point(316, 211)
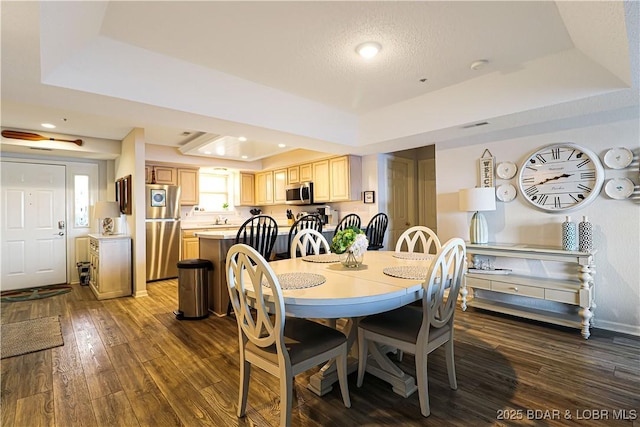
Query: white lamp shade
point(106, 210)
point(477, 199)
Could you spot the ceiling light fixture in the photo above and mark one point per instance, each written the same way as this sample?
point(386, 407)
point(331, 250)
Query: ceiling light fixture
point(245, 157)
point(48, 125)
point(368, 50)
point(281, 145)
point(242, 138)
point(479, 64)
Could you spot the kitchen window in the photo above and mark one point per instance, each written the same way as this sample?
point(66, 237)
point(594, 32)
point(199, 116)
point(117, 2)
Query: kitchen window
point(216, 190)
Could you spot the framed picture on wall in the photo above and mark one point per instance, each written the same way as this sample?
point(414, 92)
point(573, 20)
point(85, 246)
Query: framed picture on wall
point(369, 196)
point(126, 195)
point(119, 193)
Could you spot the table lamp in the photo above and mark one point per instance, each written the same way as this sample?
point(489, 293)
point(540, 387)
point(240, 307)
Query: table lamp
point(477, 200)
point(106, 211)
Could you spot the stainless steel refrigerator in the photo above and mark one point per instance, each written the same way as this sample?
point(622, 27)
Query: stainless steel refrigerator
point(163, 230)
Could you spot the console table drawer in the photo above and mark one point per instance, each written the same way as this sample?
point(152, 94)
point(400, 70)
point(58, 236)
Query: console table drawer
point(479, 283)
point(562, 296)
point(510, 288)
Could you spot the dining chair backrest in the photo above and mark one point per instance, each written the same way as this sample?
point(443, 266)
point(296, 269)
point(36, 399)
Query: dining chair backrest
point(375, 231)
point(313, 222)
point(423, 237)
point(445, 275)
point(265, 341)
point(309, 242)
point(259, 232)
point(351, 220)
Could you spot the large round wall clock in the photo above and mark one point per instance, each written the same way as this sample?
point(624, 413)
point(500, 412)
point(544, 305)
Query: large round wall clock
point(561, 177)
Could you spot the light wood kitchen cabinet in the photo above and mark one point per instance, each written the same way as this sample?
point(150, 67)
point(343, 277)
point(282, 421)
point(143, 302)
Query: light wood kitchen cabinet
point(188, 181)
point(264, 188)
point(110, 265)
point(246, 190)
point(345, 178)
point(293, 175)
point(306, 172)
point(164, 175)
point(279, 186)
point(190, 248)
point(321, 181)
point(147, 174)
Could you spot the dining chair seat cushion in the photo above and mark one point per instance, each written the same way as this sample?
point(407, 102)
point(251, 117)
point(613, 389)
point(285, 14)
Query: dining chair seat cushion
point(402, 323)
point(303, 338)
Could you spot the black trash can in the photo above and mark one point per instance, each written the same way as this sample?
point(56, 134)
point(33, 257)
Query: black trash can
point(193, 288)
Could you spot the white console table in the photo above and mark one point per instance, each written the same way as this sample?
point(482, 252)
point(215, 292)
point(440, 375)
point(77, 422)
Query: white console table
point(578, 292)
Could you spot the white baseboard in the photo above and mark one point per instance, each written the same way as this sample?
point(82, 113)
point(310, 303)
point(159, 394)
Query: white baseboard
point(617, 327)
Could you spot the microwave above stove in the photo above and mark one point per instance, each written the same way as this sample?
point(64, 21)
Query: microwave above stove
point(300, 194)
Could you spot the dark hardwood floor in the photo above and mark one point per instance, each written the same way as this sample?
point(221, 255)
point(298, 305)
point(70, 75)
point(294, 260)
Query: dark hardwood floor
point(129, 362)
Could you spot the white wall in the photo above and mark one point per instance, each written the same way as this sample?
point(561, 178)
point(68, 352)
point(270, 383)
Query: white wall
point(616, 222)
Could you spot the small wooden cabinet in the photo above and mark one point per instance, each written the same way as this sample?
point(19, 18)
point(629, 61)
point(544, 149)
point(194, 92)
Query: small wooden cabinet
point(264, 188)
point(345, 178)
point(189, 182)
point(110, 265)
point(246, 190)
point(567, 302)
point(279, 186)
point(293, 175)
point(306, 172)
point(321, 181)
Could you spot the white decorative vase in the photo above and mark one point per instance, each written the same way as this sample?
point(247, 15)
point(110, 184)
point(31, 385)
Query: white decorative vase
point(585, 231)
point(569, 235)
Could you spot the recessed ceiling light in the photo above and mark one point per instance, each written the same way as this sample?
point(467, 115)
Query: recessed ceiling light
point(220, 151)
point(281, 145)
point(479, 64)
point(207, 152)
point(47, 125)
point(369, 49)
point(245, 157)
point(242, 138)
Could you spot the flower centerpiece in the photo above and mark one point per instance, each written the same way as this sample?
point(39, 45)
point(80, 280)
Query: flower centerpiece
point(350, 244)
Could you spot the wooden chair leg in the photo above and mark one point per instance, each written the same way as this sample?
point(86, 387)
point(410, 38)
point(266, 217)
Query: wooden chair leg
point(286, 392)
point(245, 373)
point(341, 365)
point(451, 365)
point(423, 383)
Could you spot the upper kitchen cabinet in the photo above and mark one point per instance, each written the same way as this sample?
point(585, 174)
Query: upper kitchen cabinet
point(321, 181)
point(188, 181)
point(245, 194)
point(264, 188)
point(293, 175)
point(306, 173)
point(161, 175)
point(345, 178)
point(279, 186)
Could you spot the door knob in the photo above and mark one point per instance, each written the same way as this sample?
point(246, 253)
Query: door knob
point(61, 234)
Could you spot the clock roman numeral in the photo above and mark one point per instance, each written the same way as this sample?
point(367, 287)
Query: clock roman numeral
point(583, 163)
point(542, 159)
point(543, 198)
point(556, 153)
point(584, 188)
point(556, 202)
point(531, 191)
point(587, 175)
point(528, 180)
point(574, 199)
point(571, 154)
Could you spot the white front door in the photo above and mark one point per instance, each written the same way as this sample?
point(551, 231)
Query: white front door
point(34, 251)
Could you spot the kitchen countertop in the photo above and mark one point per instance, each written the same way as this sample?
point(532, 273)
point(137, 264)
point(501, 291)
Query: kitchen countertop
point(283, 230)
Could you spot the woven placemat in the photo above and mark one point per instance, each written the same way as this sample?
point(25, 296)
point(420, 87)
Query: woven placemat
point(298, 280)
point(416, 272)
point(322, 258)
point(417, 256)
point(30, 336)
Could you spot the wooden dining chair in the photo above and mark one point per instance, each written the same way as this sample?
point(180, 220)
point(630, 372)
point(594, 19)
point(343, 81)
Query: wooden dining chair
point(282, 346)
point(351, 220)
point(309, 242)
point(426, 237)
point(313, 222)
point(259, 232)
point(375, 231)
point(419, 332)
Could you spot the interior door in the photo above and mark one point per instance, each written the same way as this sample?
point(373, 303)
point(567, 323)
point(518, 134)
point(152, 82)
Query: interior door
point(33, 225)
point(401, 191)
